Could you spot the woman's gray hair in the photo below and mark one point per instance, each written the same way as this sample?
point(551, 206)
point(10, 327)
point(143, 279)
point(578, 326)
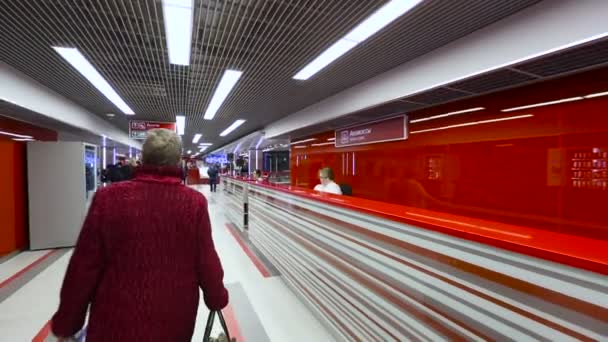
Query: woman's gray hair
point(162, 147)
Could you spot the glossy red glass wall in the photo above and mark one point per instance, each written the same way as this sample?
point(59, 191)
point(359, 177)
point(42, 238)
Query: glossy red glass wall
point(543, 167)
point(13, 182)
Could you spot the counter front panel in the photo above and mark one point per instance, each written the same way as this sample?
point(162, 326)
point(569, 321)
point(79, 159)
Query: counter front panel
point(376, 279)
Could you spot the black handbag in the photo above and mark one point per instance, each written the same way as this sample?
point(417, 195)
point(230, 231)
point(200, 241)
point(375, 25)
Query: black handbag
point(210, 319)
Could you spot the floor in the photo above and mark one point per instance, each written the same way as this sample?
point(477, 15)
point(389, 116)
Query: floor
point(262, 308)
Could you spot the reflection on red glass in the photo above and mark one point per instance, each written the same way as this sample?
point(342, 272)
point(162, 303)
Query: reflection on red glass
point(548, 170)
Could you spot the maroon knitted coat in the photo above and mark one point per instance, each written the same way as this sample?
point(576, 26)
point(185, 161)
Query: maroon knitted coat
point(144, 250)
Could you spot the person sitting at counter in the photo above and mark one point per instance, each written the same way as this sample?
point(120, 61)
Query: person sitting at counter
point(257, 176)
point(326, 176)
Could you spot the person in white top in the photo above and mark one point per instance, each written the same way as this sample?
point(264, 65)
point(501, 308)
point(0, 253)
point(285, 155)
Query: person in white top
point(326, 176)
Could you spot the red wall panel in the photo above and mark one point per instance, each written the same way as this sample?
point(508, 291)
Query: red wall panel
point(532, 171)
point(13, 182)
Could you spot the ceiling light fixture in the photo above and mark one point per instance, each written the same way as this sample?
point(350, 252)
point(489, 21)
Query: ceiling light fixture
point(232, 127)
point(473, 123)
point(189, 151)
point(86, 69)
point(16, 135)
point(302, 141)
point(178, 29)
point(448, 114)
point(590, 96)
point(23, 139)
point(301, 146)
point(570, 99)
point(180, 123)
point(222, 91)
point(259, 143)
point(323, 144)
point(205, 144)
point(331, 139)
point(196, 138)
point(374, 23)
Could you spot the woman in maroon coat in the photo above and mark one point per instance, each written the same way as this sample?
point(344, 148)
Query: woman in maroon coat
point(144, 251)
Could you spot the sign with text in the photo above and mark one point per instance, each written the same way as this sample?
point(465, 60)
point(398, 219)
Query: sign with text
point(374, 132)
point(139, 129)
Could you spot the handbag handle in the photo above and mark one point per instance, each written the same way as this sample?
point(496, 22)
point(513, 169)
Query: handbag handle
point(210, 320)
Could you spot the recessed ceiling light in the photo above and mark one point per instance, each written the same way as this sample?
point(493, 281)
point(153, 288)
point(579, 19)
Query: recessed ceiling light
point(180, 122)
point(590, 96)
point(196, 138)
point(448, 114)
point(374, 23)
point(472, 123)
point(302, 141)
point(189, 151)
point(86, 69)
point(16, 135)
point(222, 91)
point(177, 15)
point(111, 115)
point(570, 99)
point(232, 127)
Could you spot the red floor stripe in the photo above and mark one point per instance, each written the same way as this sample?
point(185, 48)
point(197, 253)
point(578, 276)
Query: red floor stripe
point(44, 333)
point(27, 268)
point(233, 324)
point(256, 261)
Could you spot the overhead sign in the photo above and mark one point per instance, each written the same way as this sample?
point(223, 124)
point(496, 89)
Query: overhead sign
point(215, 159)
point(374, 132)
point(139, 129)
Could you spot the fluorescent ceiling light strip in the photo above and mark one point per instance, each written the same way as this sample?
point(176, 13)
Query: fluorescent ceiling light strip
point(178, 15)
point(300, 146)
point(196, 138)
point(571, 99)
point(232, 127)
point(302, 141)
point(237, 147)
point(324, 144)
point(86, 69)
point(380, 19)
point(334, 52)
point(16, 135)
point(473, 123)
point(590, 96)
point(23, 139)
point(205, 144)
point(367, 28)
point(180, 123)
point(448, 114)
point(228, 81)
point(331, 139)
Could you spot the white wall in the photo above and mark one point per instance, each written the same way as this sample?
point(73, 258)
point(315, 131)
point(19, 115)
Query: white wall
point(547, 26)
point(27, 93)
point(57, 193)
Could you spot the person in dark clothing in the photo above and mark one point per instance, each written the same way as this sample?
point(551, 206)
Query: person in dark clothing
point(212, 173)
point(144, 251)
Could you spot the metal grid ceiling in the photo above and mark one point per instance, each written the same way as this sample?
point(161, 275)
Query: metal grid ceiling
point(268, 40)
